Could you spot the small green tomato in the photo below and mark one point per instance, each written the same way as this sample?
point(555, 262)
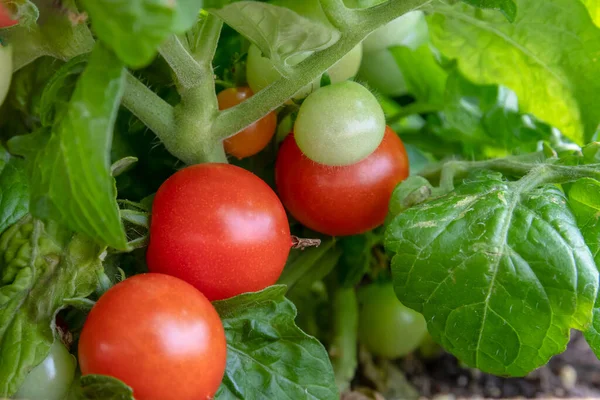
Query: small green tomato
point(51, 379)
point(339, 124)
point(408, 30)
point(379, 68)
point(386, 327)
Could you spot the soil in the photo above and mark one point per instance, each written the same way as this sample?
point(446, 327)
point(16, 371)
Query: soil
point(573, 374)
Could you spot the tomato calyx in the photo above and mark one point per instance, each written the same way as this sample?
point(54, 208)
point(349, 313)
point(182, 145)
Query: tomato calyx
point(304, 243)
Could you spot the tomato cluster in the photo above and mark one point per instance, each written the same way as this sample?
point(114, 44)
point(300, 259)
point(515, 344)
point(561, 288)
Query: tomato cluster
point(217, 231)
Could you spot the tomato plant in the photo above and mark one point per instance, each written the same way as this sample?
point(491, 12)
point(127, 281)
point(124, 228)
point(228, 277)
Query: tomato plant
point(344, 200)
point(255, 137)
point(157, 334)
point(339, 124)
point(219, 228)
point(137, 186)
point(386, 327)
point(51, 379)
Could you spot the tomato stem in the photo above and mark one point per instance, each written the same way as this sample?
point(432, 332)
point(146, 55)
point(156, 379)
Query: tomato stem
point(153, 111)
point(188, 72)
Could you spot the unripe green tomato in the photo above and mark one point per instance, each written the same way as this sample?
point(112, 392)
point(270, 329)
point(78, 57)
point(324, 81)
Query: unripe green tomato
point(51, 379)
point(6, 67)
point(339, 124)
point(386, 327)
point(408, 30)
point(380, 71)
point(379, 68)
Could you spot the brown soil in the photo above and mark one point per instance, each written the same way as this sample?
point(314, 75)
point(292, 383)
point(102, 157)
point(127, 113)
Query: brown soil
point(573, 374)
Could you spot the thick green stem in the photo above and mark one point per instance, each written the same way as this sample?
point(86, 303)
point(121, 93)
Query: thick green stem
point(231, 121)
point(198, 109)
point(186, 69)
point(154, 112)
point(343, 347)
point(193, 141)
point(339, 15)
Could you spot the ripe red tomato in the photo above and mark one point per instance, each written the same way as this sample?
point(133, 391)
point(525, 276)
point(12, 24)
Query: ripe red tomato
point(159, 335)
point(5, 19)
point(220, 228)
point(341, 200)
point(255, 137)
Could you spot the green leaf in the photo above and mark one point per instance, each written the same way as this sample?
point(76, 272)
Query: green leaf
point(499, 270)
point(58, 90)
point(425, 78)
point(584, 199)
point(281, 35)
point(40, 266)
point(14, 190)
point(135, 28)
point(507, 7)
point(268, 356)
point(71, 179)
point(593, 7)
point(489, 115)
point(63, 34)
point(554, 88)
point(22, 104)
point(101, 387)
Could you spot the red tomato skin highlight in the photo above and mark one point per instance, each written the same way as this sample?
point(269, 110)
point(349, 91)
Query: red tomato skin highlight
point(159, 335)
point(220, 228)
point(340, 201)
point(5, 19)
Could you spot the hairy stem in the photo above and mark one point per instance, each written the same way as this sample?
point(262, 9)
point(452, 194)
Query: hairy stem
point(338, 14)
point(186, 69)
point(231, 121)
point(198, 109)
point(206, 45)
point(153, 111)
